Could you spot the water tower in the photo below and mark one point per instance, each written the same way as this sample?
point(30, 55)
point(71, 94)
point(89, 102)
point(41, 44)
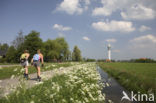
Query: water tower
point(109, 52)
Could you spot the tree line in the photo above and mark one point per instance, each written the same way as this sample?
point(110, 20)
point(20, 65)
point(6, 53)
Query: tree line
point(56, 50)
point(140, 60)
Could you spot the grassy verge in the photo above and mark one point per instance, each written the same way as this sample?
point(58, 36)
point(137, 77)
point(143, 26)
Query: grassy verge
point(138, 77)
point(79, 85)
point(9, 63)
point(7, 72)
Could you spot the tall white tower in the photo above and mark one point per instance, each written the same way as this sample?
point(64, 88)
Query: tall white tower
point(109, 51)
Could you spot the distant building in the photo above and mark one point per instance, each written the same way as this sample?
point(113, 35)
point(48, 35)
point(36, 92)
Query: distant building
point(108, 60)
point(143, 58)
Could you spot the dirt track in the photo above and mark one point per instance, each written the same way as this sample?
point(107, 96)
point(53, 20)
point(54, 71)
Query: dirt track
point(9, 85)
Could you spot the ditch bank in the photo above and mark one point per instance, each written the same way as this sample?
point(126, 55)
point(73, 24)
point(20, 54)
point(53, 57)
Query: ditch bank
point(113, 90)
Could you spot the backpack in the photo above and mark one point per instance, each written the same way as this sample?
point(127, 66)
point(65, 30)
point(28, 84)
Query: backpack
point(23, 58)
point(36, 57)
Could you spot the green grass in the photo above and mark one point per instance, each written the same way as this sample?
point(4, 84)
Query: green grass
point(37, 93)
point(7, 72)
point(133, 76)
point(75, 86)
point(9, 63)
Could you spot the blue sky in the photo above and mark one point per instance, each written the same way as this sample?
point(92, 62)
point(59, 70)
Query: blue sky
point(128, 25)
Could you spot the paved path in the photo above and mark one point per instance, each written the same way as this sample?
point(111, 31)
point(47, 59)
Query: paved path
point(9, 85)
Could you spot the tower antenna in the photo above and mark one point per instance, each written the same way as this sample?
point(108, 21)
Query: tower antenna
point(109, 52)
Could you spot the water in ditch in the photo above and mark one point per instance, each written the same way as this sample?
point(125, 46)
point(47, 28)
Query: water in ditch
point(114, 91)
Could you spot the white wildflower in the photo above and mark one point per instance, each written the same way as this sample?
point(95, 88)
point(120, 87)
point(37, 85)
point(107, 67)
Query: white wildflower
point(15, 69)
point(51, 95)
point(86, 99)
point(110, 101)
point(12, 77)
point(32, 101)
point(107, 85)
point(71, 99)
point(22, 70)
point(63, 100)
point(37, 83)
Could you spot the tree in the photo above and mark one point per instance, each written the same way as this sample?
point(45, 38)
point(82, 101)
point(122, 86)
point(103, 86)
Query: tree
point(52, 50)
point(69, 55)
point(4, 46)
point(3, 49)
point(11, 55)
point(32, 43)
point(90, 60)
point(76, 55)
point(19, 40)
point(64, 48)
point(56, 49)
point(144, 60)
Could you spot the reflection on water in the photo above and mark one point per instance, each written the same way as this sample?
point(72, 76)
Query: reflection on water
point(113, 89)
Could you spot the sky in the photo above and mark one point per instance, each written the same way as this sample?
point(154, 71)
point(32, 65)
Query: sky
point(128, 25)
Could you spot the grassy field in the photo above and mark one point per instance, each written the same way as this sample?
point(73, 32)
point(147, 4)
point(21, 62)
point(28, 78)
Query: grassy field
point(79, 85)
point(133, 76)
point(9, 63)
point(7, 72)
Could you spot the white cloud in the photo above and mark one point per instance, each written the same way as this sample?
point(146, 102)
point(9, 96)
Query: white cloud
point(142, 46)
point(61, 27)
point(130, 9)
point(111, 40)
point(116, 51)
point(122, 26)
point(61, 35)
point(144, 28)
point(110, 6)
point(138, 12)
point(101, 11)
point(144, 41)
point(73, 6)
point(106, 10)
point(86, 38)
point(145, 38)
point(87, 2)
point(70, 6)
